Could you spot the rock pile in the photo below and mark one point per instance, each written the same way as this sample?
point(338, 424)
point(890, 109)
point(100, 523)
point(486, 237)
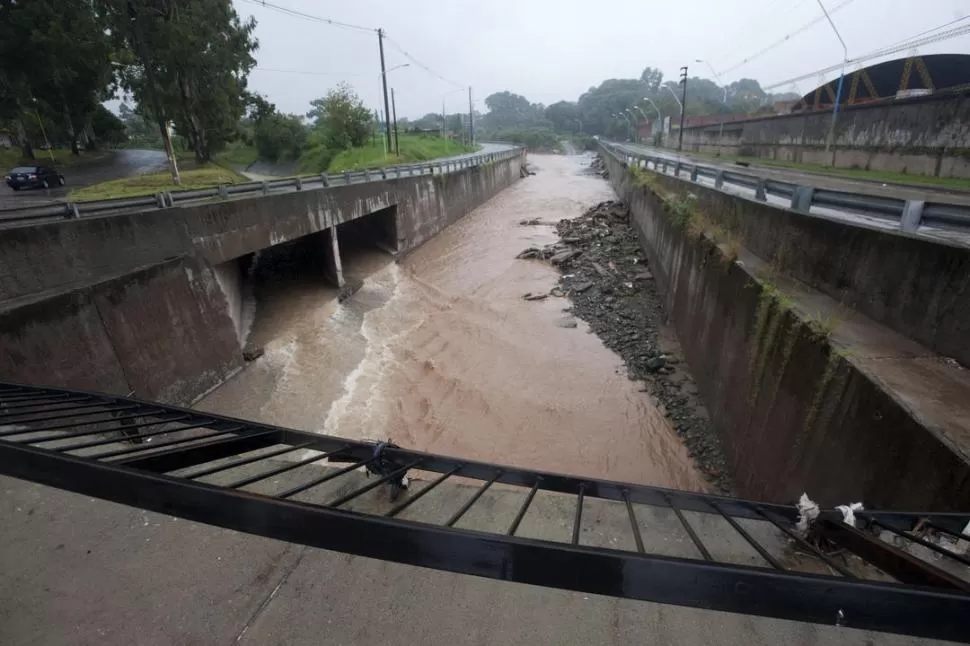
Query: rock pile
point(605, 274)
point(599, 167)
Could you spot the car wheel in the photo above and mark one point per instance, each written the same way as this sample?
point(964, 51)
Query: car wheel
point(60, 180)
point(45, 184)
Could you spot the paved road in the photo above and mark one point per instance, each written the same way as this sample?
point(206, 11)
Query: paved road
point(116, 164)
point(818, 180)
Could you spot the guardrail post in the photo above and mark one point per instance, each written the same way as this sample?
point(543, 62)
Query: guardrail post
point(223, 191)
point(665, 167)
point(719, 179)
point(677, 169)
point(160, 200)
point(347, 177)
point(801, 199)
point(72, 212)
point(299, 183)
point(324, 180)
point(912, 215)
point(169, 200)
point(383, 173)
point(398, 172)
point(440, 170)
point(693, 173)
point(265, 187)
point(759, 191)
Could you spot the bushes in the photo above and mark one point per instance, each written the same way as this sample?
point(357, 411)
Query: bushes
point(280, 136)
point(533, 138)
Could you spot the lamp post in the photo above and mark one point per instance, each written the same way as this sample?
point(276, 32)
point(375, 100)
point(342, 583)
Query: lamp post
point(723, 100)
point(623, 115)
point(50, 149)
point(676, 98)
point(838, 92)
point(636, 129)
point(660, 117)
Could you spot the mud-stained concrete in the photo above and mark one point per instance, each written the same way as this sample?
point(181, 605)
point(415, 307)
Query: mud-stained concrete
point(439, 352)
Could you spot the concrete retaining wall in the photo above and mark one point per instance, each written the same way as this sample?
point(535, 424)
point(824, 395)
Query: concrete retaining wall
point(131, 303)
point(922, 136)
point(794, 412)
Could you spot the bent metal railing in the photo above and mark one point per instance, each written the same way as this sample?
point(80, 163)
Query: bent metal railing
point(901, 572)
point(909, 214)
point(166, 199)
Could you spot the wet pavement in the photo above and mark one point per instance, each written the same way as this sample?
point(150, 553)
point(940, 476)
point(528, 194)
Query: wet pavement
point(440, 352)
point(115, 165)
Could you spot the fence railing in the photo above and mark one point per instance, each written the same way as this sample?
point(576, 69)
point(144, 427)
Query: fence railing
point(166, 199)
point(910, 214)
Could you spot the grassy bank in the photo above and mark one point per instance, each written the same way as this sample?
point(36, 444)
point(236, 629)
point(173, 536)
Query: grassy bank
point(63, 158)
point(414, 148)
point(886, 177)
point(238, 155)
point(152, 183)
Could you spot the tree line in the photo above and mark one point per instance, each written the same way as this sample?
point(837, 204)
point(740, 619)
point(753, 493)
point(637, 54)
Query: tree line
point(513, 117)
point(183, 61)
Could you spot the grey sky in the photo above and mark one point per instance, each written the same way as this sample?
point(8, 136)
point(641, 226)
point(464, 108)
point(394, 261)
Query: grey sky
point(550, 50)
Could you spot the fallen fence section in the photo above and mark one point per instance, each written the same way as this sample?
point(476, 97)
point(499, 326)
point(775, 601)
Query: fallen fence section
point(174, 461)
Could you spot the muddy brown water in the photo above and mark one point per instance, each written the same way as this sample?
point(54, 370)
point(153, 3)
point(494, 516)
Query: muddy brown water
point(440, 352)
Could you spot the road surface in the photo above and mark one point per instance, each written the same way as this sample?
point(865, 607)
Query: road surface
point(115, 165)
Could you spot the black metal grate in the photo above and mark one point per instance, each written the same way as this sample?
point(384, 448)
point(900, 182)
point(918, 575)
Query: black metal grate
point(890, 574)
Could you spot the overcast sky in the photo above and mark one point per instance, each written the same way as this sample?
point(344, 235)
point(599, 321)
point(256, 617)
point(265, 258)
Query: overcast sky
point(549, 50)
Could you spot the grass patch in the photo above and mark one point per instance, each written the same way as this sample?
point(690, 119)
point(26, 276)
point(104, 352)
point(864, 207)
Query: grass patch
point(414, 148)
point(152, 183)
point(887, 177)
point(238, 154)
point(63, 158)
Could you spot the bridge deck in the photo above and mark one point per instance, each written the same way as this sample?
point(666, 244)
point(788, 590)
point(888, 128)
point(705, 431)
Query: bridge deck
point(229, 472)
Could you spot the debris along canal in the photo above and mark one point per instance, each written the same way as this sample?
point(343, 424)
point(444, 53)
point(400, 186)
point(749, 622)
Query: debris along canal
point(444, 352)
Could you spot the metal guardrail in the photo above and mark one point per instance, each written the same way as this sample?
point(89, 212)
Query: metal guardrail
point(167, 199)
point(911, 214)
point(736, 554)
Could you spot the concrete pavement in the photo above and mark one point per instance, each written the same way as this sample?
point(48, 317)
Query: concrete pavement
point(75, 570)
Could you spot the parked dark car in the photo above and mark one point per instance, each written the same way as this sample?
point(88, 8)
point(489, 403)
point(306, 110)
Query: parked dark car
point(33, 177)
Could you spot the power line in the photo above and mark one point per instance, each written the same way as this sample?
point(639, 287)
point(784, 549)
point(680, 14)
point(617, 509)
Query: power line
point(784, 39)
point(306, 16)
point(308, 72)
point(918, 40)
point(420, 64)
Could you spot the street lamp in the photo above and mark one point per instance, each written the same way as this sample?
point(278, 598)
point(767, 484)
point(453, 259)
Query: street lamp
point(676, 98)
point(50, 149)
point(636, 130)
point(838, 92)
point(626, 119)
point(387, 118)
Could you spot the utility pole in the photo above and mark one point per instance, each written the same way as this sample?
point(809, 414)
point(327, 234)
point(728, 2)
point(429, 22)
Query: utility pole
point(838, 93)
point(683, 108)
point(397, 138)
point(471, 118)
point(387, 107)
point(135, 15)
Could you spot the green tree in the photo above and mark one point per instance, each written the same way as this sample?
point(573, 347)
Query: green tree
point(506, 110)
point(652, 78)
point(107, 127)
point(187, 61)
point(64, 57)
point(340, 119)
point(564, 116)
point(279, 136)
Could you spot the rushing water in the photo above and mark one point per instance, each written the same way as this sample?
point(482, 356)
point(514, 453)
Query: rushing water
point(440, 352)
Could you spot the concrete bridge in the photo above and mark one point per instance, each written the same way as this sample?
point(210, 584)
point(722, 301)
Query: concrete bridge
point(147, 302)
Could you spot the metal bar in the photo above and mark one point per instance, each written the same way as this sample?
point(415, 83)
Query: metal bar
point(67, 436)
point(633, 523)
point(471, 501)
point(327, 478)
point(51, 410)
point(525, 506)
point(149, 447)
point(746, 536)
point(373, 485)
point(579, 514)
point(937, 526)
point(690, 530)
point(288, 467)
point(70, 416)
point(687, 582)
point(896, 563)
point(115, 440)
point(173, 459)
point(238, 463)
point(42, 405)
point(414, 498)
point(806, 545)
point(916, 539)
point(25, 397)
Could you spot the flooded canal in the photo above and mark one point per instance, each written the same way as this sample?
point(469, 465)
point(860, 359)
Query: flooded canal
point(439, 352)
